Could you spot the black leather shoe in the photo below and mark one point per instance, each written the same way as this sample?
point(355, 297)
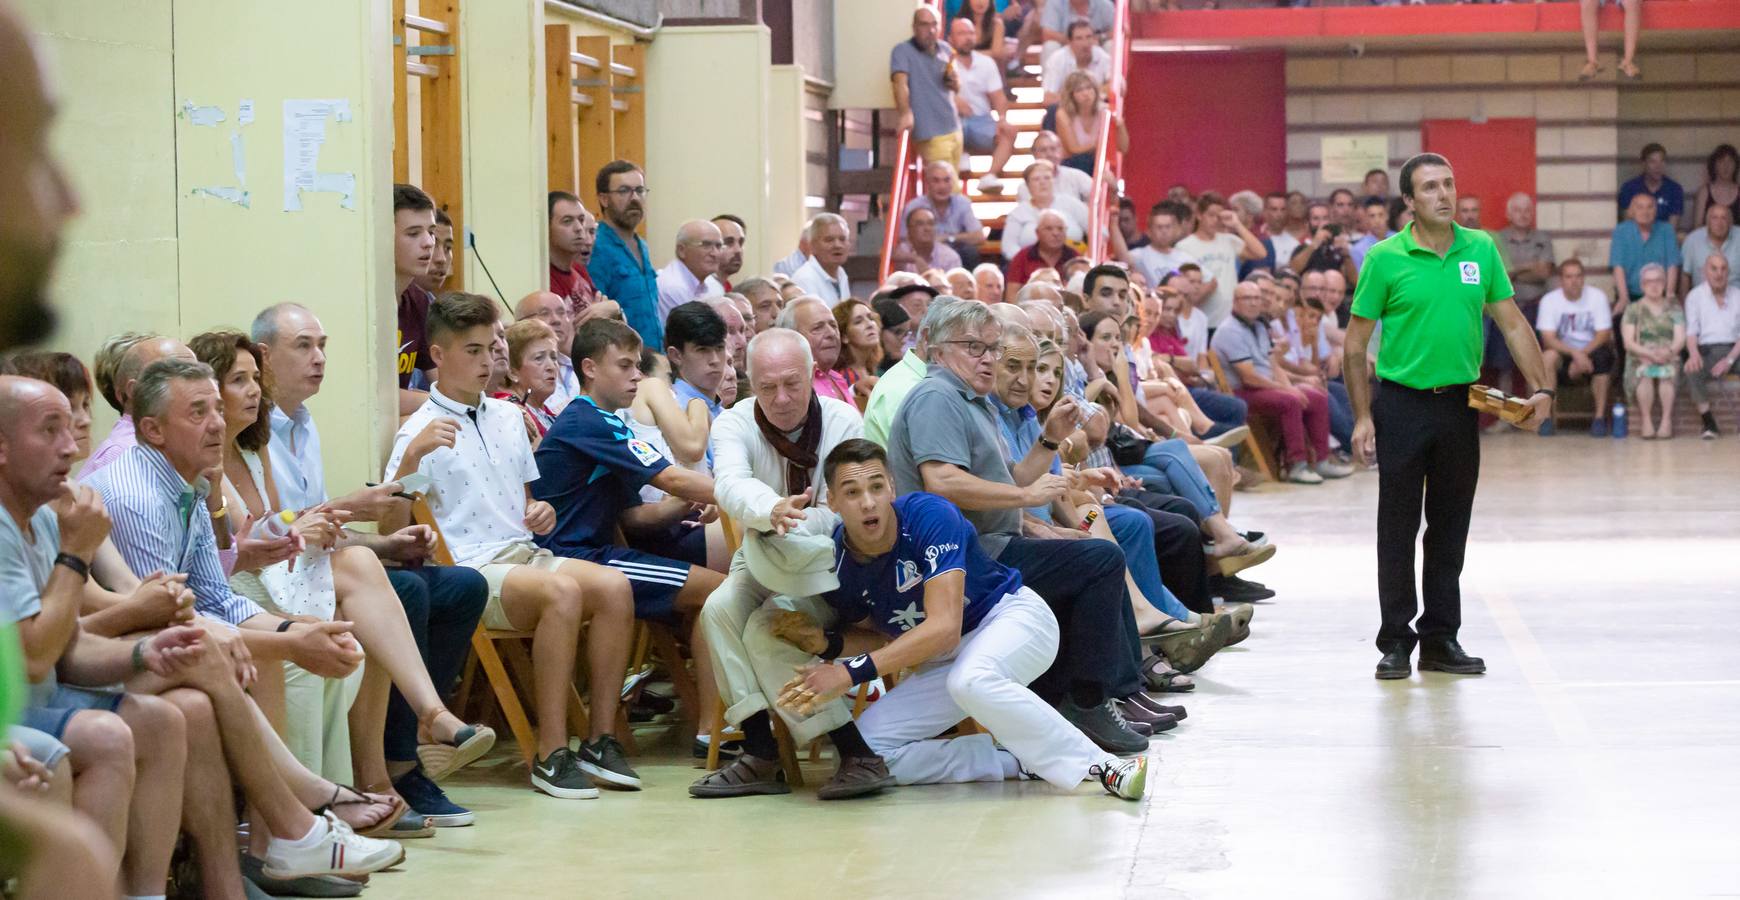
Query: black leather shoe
point(1395, 664)
point(1447, 656)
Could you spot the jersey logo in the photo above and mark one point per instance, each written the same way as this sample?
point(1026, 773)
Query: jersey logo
point(907, 577)
point(1471, 273)
point(908, 617)
point(936, 550)
point(643, 451)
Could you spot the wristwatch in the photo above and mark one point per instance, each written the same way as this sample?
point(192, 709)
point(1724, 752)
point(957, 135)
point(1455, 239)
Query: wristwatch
point(1548, 391)
point(1048, 443)
point(74, 563)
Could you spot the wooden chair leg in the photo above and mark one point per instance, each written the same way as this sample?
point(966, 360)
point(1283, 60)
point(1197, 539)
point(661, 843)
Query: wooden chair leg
point(1260, 446)
point(664, 643)
point(794, 774)
point(462, 696)
point(505, 695)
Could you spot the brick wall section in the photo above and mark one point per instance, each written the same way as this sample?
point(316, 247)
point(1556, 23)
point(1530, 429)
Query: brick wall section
point(1688, 103)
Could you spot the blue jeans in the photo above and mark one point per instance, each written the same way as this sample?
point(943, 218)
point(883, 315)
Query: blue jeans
point(1227, 411)
point(1168, 468)
point(1135, 534)
point(1341, 415)
point(442, 605)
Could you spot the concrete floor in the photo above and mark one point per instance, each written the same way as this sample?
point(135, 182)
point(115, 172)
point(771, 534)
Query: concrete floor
point(1597, 758)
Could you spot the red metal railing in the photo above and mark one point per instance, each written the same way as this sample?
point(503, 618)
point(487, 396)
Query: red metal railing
point(907, 178)
point(1108, 160)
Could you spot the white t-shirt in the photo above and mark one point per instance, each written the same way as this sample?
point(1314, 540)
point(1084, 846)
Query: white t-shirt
point(1219, 259)
point(979, 79)
point(1155, 264)
point(1575, 321)
point(1061, 63)
point(1296, 352)
point(478, 494)
point(1284, 243)
point(1193, 327)
point(1068, 181)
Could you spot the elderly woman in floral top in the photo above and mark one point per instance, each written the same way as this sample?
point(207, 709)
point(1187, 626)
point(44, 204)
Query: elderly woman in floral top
point(1654, 329)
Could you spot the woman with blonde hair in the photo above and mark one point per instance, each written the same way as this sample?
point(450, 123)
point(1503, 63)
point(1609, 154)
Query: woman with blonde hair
point(1079, 113)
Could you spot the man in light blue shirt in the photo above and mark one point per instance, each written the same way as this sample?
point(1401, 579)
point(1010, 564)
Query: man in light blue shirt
point(621, 265)
point(1639, 240)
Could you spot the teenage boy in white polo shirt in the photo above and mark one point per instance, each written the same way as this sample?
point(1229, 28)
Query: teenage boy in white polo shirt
point(475, 451)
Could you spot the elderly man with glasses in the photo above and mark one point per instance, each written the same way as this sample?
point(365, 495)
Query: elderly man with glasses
point(693, 273)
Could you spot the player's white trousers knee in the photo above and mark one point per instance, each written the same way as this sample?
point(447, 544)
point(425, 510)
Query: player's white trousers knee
point(986, 678)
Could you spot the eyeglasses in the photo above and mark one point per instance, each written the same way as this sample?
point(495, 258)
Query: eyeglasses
point(709, 245)
point(978, 349)
point(626, 191)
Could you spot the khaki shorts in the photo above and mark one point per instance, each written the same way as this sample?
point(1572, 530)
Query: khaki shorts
point(946, 147)
point(496, 570)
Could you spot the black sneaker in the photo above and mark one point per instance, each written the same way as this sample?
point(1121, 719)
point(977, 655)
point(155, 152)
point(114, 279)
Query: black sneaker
point(427, 799)
point(728, 750)
point(1233, 589)
point(1105, 726)
point(604, 760)
point(559, 776)
point(1710, 429)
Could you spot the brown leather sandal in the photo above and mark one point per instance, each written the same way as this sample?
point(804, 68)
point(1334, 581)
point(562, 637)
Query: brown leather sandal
point(745, 776)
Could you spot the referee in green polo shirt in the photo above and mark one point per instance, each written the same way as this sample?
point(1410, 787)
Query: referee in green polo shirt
point(1429, 284)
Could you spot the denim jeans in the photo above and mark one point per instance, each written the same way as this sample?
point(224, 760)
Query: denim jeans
point(1227, 411)
point(1135, 534)
point(1172, 470)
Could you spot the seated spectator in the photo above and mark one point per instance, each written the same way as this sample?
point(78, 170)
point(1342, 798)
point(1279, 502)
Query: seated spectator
point(1218, 243)
point(823, 275)
point(1019, 228)
point(593, 472)
point(180, 423)
point(1047, 251)
point(474, 450)
point(975, 627)
point(734, 235)
point(988, 25)
point(1129, 224)
point(693, 273)
point(815, 321)
point(1467, 212)
point(764, 300)
point(132, 363)
point(897, 327)
point(1055, 19)
point(413, 247)
point(860, 347)
point(1082, 53)
point(1654, 333)
point(1160, 256)
point(1712, 334)
point(957, 226)
point(944, 440)
point(677, 426)
point(1246, 348)
point(981, 104)
point(1067, 181)
point(921, 251)
point(962, 284)
point(1080, 114)
point(735, 310)
point(1641, 239)
point(768, 481)
point(532, 371)
point(1669, 196)
point(69, 376)
point(1330, 247)
point(1576, 327)
point(573, 234)
point(1717, 238)
point(924, 83)
point(1721, 184)
point(795, 260)
point(547, 307)
point(987, 283)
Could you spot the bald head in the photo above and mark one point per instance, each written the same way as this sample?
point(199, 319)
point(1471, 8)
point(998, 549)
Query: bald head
point(552, 310)
point(1716, 272)
point(699, 244)
point(35, 197)
point(36, 441)
point(140, 355)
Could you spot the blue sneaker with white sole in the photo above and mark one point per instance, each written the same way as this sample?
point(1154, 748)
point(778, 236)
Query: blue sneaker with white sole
point(428, 800)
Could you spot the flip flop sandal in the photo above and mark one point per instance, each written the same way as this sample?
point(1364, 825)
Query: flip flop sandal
point(383, 826)
point(443, 758)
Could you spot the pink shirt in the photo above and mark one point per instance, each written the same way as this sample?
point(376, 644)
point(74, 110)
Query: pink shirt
point(834, 384)
point(121, 439)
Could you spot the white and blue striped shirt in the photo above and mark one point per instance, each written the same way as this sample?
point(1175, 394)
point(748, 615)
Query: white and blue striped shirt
point(160, 524)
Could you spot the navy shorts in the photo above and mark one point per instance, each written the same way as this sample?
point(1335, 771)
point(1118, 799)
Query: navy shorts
point(655, 579)
point(51, 718)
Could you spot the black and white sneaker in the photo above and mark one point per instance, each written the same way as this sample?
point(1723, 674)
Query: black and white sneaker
point(604, 760)
point(728, 750)
point(1123, 778)
point(1710, 430)
point(559, 776)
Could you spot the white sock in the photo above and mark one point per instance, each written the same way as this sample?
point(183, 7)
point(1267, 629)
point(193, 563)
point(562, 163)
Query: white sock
point(704, 738)
point(1195, 618)
point(1011, 765)
point(314, 836)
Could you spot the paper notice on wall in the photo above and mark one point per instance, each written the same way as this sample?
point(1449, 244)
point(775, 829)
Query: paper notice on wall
point(227, 194)
point(204, 116)
point(304, 134)
point(1347, 157)
point(245, 113)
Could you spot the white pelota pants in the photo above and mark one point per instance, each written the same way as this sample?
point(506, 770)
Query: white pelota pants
point(986, 678)
point(751, 664)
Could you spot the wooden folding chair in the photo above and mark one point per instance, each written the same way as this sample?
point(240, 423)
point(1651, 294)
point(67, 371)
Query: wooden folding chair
point(1261, 441)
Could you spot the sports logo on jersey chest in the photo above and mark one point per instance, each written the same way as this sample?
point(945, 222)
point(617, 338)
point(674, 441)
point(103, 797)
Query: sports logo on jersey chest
point(1470, 272)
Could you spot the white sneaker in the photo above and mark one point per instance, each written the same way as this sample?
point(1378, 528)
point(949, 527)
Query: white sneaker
point(990, 184)
point(339, 851)
point(1230, 438)
point(1125, 778)
point(1330, 468)
point(1301, 474)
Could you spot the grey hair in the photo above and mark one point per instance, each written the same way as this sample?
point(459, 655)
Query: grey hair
point(265, 327)
point(943, 321)
point(1656, 268)
point(750, 285)
point(1248, 201)
point(111, 360)
point(1048, 211)
point(787, 317)
point(151, 396)
point(774, 335)
point(1031, 290)
point(1015, 332)
point(1518, 196)
point(814, 229)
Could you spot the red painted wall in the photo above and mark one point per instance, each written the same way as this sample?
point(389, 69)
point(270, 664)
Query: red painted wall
point(1492, 159)
point(1213, 121)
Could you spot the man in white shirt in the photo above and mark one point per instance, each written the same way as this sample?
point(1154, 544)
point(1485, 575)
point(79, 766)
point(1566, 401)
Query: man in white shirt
point(1219, 242)
point(1160, 256)
point(1082, 54)
point(549, 308)
point(823, 275)
point(980, 95)
point(1576, 326)
point(1021, 226)
point(1712, 333)
point(767, 469)
point(1069, 181)
point(1716, 238)
point(693, 273)
point(1275, 227)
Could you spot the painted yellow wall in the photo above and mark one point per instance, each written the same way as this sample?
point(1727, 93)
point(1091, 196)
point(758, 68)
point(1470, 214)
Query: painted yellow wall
point(707, 101)
point(502, 51)
point(865, 31)
point(788, 159)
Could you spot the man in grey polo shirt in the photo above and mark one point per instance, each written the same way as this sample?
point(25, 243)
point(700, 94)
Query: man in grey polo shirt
point(1528, 258)
point(944, 440)
point(924, 86)
point(1716, 238)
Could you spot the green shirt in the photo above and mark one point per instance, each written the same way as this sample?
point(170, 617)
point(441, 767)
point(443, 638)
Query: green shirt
point(1430, 306)
point(890, 390)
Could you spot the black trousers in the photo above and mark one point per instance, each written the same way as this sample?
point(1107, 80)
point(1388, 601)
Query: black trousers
point(1177, 546)
point(1099, 651)
point(1428, 451)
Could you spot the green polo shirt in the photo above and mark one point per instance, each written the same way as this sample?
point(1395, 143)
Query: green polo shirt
point(1430, 306)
